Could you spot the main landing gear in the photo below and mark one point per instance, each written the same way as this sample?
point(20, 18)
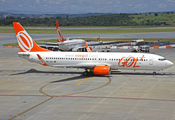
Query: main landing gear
point(87, 73)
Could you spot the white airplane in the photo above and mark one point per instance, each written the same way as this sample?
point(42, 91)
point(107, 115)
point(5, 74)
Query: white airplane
point(68, 45)
point(98, 63)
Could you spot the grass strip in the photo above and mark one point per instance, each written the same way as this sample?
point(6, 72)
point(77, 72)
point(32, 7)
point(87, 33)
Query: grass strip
point(39, 42)
point(88, 31)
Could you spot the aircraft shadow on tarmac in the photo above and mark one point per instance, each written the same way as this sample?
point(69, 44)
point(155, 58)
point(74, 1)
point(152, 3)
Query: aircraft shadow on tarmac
point(138, 73)
point(81, 76)
point(46, 72)
point(81, 73)
point(74, 78)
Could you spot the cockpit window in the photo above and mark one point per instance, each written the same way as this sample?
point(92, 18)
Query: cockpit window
point(162, 59)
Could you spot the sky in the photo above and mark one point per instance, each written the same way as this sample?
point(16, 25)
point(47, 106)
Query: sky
point(86, 6)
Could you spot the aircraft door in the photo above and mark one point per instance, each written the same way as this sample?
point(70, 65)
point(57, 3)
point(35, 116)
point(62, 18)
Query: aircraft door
point(151, 60)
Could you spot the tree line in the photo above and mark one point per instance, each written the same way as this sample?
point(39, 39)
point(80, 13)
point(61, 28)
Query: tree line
point(101, 20)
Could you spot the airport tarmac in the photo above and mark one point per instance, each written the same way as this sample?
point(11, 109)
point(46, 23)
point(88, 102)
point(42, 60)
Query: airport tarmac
point(29, 91)
point(11, 38)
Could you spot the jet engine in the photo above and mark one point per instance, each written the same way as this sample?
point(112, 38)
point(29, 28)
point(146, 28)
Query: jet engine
point(102, 70)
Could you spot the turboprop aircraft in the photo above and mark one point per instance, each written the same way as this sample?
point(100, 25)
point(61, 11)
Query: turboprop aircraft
point(98, 63)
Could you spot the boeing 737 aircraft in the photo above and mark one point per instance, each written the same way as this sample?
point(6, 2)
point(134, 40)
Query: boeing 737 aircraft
point(68, 44)
point(98, 63)
point(64, 44)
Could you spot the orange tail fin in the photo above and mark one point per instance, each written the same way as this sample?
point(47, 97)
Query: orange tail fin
point(25, 42)
point(88, 49)
point(59, 35)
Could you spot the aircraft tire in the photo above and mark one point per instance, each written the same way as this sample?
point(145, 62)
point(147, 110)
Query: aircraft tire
point(86, 73)
point(154, 73)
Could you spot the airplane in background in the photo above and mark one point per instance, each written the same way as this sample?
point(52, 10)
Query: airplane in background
point(65, 44)
point(74, 45)
point(68, 45)
point(97, 63)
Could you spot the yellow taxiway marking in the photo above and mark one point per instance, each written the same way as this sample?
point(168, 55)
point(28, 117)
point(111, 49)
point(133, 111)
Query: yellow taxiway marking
point(79, 83)
point(4, 35)
point(88, 90)
point(87, 79)
point(51, 96)
point(7, 71)
point(18, 115)
point(9, 79)
point(43, 92)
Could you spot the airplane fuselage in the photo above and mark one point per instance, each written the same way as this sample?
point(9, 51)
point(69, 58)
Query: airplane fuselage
point(70, 44)
point(129, 61)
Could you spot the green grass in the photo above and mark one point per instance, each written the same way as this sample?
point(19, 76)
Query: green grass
point(168, 18)
point(10, 44)
point(39, 42)
point(103, 31)
point(89, 31)
point(95, 39)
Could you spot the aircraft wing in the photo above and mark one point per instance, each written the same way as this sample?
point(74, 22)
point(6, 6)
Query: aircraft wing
point(104, 43)
point(48, 44)
point(80, 65)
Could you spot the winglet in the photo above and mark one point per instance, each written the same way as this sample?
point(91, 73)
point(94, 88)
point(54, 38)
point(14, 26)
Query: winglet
point(41, 60)
point(26, 43)
point(88, 49)
point(59, 35)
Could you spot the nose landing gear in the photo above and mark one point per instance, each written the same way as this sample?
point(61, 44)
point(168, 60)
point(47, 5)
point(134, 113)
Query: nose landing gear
point(154, 73)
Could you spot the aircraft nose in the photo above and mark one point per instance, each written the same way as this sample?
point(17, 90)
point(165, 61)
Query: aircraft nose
point(169, 63)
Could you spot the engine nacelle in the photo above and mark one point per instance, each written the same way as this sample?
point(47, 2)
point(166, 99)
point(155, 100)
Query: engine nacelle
point(102, 70)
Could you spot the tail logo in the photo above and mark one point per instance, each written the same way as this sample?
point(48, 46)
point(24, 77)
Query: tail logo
point(87, 47)
point(59, 34)
point(25, 41)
